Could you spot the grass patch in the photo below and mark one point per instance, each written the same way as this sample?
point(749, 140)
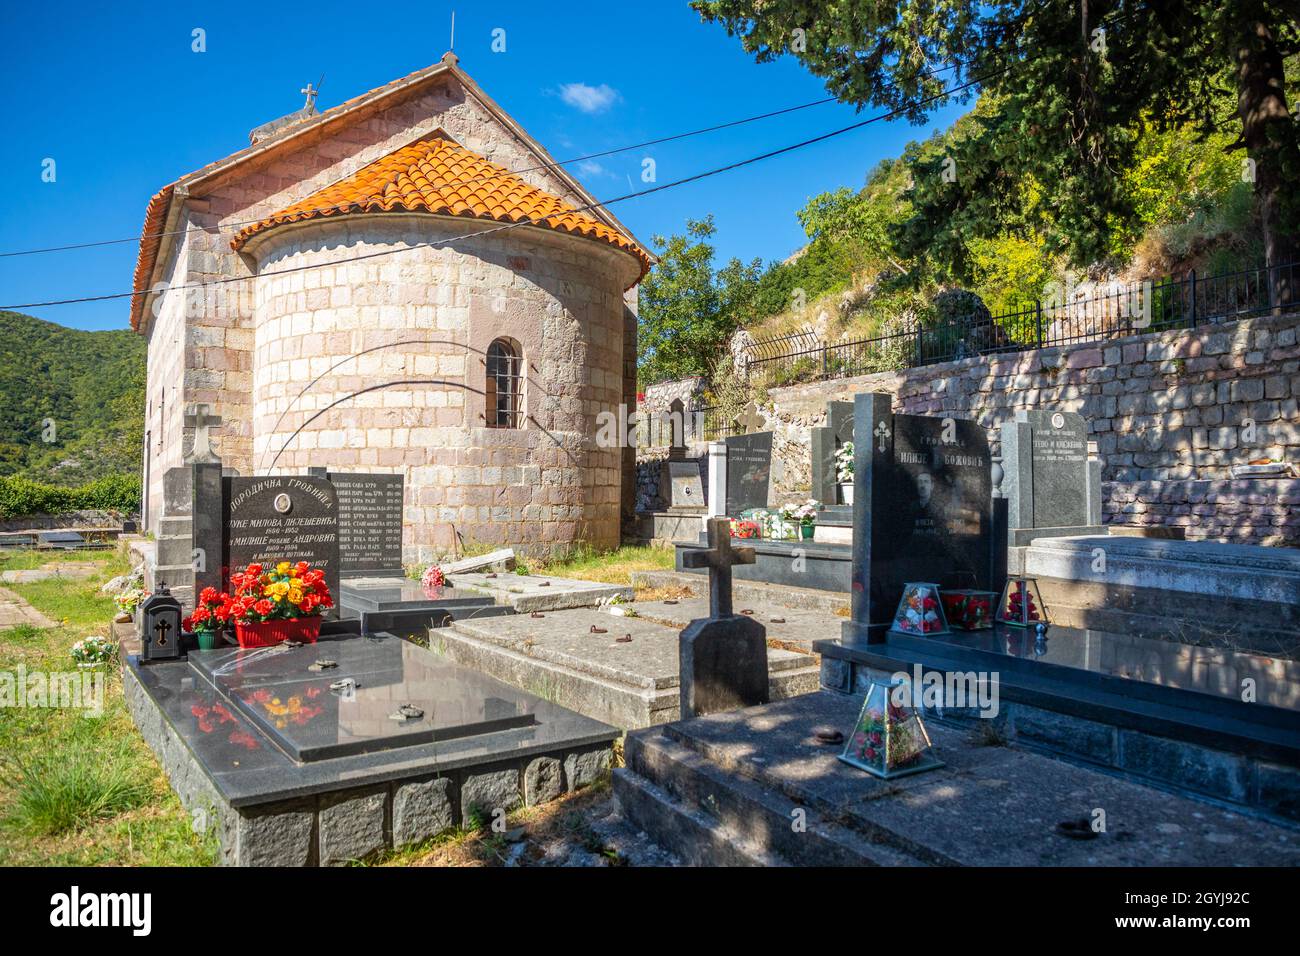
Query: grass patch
point(607, 567)
point(74, 784)
point(78, 790)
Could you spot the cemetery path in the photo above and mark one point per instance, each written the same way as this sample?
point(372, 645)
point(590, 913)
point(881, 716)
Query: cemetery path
point(15, 611)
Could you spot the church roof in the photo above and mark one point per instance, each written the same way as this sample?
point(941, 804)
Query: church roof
point(162, 221)
point(435, 175)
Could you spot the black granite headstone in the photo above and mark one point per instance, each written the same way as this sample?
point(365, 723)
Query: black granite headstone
point(1045, 454)
point(370, 522)
point(749, 468)
point(826, 440)
point(922, 509)
point(281, 518)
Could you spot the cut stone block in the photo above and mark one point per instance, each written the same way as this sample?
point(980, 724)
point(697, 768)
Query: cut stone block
point(352, 826)
point(527, 593)
point(421, 810)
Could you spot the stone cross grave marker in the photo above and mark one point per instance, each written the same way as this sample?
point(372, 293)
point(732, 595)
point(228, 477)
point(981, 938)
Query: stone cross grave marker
point(724, 656)
point(200, 418)
point(750, 420)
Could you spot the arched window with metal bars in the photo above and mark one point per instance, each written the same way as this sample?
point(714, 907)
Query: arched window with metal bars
point(504, 385)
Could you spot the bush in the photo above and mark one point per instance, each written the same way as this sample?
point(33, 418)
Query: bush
point(21, 497)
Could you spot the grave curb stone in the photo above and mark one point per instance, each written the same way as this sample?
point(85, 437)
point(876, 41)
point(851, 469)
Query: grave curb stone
point(543, 780)
point(489, 791)
point(352, 825)
point(421, 810)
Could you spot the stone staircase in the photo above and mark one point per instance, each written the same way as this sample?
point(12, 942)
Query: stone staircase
point(755, 787)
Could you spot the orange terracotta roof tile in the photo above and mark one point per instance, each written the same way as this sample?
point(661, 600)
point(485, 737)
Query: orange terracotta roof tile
point(155, 215)
point(437, 176)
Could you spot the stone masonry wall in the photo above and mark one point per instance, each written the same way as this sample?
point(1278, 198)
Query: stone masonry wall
point(201, 341)
point(544, 485)
point(1171, 413)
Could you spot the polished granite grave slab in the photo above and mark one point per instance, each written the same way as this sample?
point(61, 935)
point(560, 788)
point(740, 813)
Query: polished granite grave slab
point(398, 604)
point(249, 767)
point(305, 712)
point(1275, 681)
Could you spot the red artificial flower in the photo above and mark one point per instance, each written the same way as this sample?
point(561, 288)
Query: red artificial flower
point(263, 607)
point(300, 568)
point(207, 595)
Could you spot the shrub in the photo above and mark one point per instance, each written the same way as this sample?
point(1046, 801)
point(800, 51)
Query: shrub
point(22, 497)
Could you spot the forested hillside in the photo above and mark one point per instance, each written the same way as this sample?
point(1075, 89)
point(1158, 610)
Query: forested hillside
point(71, 402)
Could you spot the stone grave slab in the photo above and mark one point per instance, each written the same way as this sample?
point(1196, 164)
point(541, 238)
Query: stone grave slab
point(374, 784)
point(791, 628)
point(295, 707)
point(527, 592)
point(633, 683)
point(405, 607)
point(720, 789)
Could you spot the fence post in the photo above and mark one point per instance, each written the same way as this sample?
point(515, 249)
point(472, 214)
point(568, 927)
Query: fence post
point(1191, 312)
point(1038, 321)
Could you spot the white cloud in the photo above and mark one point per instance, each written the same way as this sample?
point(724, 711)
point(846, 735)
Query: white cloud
point(591, 168)
point(589, 99)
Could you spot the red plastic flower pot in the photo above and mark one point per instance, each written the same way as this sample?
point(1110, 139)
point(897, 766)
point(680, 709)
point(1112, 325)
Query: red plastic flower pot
point(305, 630)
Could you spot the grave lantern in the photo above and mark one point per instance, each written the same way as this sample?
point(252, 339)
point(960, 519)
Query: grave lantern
point(889, 738)
point(920, 611)
point(160, 626)
point(1021, 605)
point(968, 609)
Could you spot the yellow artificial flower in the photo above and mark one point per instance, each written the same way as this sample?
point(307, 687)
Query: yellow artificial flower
point(295, 596)
point(283, 567)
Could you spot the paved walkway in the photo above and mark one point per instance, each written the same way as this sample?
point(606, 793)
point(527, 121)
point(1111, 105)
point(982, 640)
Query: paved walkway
point(14, 611)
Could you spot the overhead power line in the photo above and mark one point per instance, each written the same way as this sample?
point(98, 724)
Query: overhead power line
point(541, 221)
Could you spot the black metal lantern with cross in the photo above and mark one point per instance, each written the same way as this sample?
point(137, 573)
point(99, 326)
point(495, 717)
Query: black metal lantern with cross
point(160, 625)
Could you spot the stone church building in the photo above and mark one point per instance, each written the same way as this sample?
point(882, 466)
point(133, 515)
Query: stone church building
point(344, 294)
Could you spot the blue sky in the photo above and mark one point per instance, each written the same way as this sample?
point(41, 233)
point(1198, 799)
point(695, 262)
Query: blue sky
point(115, 96)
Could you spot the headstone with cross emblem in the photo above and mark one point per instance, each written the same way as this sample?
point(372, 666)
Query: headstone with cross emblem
point(724, 656)
point(922, 510)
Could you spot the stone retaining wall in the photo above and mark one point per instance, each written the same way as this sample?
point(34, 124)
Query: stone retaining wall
point(1168, 409)
point(1256, 511)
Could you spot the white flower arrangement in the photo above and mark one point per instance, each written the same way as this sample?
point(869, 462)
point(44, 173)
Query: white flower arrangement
point(844, 463)
point(127, 601)
point(92, 650)
point(804, 514)
point(771, 526)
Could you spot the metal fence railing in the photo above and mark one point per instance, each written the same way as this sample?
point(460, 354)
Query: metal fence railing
point(1089, 312)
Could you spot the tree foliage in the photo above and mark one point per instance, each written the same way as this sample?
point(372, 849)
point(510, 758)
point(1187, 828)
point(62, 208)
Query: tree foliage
point(1067, 91)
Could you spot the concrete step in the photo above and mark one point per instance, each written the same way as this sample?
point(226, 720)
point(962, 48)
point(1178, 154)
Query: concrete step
point(175, 550)
point(667, 787)
point(754, 786)
point(628, 684)
point(747, 593)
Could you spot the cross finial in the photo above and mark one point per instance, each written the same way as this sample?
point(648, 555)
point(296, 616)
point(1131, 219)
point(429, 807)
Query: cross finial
point(311, 92)
point(883, 433)
point(200, 418)
point(719, 558)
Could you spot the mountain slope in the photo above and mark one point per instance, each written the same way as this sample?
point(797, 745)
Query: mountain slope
point(71, 402)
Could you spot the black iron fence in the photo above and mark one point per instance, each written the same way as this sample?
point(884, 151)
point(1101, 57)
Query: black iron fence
point(1086, 312)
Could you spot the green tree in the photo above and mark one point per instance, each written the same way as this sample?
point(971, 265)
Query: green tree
point(1076, 81)
point(688, 309)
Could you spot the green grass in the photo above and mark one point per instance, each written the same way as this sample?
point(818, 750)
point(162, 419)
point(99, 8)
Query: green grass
point(609, 567)
point(29, 559)
point(79, 790)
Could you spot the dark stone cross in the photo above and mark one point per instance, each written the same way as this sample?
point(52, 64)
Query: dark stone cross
point(201, 419)
point(718, 559)
point(724, 656)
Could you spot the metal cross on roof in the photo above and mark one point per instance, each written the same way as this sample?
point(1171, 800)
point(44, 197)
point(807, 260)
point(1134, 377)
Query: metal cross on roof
point(311, 93)
point(200, 418)
point(719, 558)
